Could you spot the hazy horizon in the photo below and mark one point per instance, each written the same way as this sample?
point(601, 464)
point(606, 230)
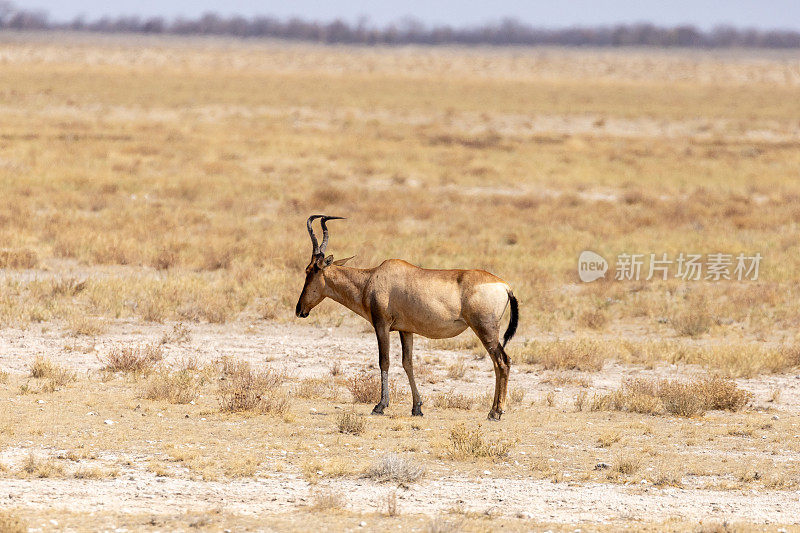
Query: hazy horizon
point(779, 14)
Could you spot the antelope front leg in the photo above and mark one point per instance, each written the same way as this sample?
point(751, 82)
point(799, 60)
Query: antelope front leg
point(383, 361)
point(407, 340)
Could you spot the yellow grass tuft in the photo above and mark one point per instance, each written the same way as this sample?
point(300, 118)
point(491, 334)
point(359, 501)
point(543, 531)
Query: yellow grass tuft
point(470, 443)
point(56, 375)
point(352, 423)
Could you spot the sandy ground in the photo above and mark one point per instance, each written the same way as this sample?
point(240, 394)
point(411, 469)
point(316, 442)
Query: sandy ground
point(310, 350)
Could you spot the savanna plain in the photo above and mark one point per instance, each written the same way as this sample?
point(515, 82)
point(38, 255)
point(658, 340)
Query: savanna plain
point(153, 198)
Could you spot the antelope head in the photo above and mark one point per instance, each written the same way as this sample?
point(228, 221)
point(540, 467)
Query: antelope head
point(314, 287)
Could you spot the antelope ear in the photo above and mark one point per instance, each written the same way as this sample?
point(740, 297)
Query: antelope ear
point(340, 262)
point(325, 262)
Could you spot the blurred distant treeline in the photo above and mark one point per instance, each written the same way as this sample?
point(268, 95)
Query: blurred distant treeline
point(410, 31)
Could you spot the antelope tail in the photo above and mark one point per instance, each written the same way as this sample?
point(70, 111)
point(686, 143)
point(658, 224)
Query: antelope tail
point(512, 324)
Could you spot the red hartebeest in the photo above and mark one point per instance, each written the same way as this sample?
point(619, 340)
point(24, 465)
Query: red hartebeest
point(398, 296)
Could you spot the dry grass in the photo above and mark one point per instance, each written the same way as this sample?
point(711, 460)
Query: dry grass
point(414, 147)
point(692, 322)
point(56, 375)
point(471, 444)
point(733, 359)
point(366, 388)
point(580, 354)
point(580, 400)
point(327, 499)
point(94, 473)
point(180, 387)
point(80, 324)
point(18, 258)
point(453, 400)
point(627, 464)
point(393, 468)
point(457, 370)
point(244, 389)
point(10, 522)
point(132, 359)
point(179, 333)
point(674, 396)
point(593, 319)
point(351, 423)
point(326, 387)
point(32, 466)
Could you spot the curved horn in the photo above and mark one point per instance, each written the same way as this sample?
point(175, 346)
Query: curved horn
point(324, 244)
point(311, 233)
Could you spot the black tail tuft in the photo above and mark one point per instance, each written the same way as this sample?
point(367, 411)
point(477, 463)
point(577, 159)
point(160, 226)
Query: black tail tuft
point(512, 324)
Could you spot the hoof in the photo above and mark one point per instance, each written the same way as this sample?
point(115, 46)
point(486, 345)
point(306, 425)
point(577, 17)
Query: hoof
point(378, 409)
point(495, 415)
point(416, 410)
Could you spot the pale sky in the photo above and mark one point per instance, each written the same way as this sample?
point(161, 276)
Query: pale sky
point(781, 14)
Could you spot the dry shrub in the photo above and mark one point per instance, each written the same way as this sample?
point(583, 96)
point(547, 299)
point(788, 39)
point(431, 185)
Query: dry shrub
point(692, 322)
point(466, 443)
point(673, 396)
point(18, 258)
point(724, 394)
point(132, 359)
point(627, 464)
point(679, 398)
point(578, 354)
point(181, 386)
point(366, 388)
point(57, 375)
point(324, 500)
point(452, 400)
point(243, 389)
point(351, 423)
point(593, 319)
point(12, 523)
point(34, 467)
point(396, 469)
point(3, 377)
